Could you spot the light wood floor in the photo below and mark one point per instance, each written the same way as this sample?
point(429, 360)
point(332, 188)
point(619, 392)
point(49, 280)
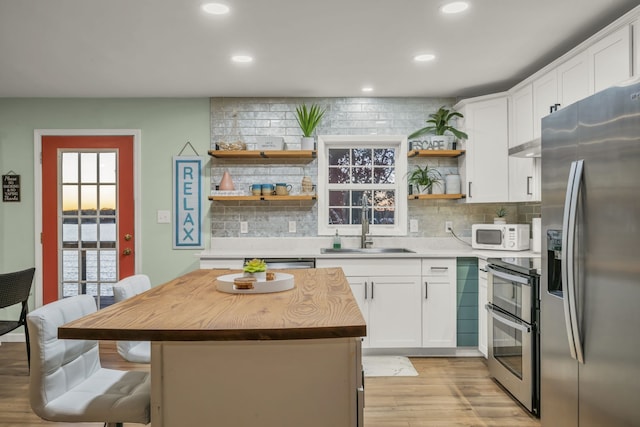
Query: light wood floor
point(448, 392)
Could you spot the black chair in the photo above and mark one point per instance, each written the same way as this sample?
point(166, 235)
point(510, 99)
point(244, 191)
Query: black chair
point(14, 289)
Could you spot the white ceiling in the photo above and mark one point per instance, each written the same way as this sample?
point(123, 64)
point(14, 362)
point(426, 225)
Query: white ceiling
point(169, 48)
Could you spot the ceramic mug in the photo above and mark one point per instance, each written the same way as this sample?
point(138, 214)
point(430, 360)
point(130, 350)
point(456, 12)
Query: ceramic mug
point(267, 189)
point(256, 189)
point(283, 189)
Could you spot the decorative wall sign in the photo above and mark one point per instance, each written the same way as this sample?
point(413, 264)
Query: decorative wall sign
point(187, 202)
point(11, 187)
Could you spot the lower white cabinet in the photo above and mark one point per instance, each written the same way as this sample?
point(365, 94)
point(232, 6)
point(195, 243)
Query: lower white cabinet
point(439, 302)
point(482, 312)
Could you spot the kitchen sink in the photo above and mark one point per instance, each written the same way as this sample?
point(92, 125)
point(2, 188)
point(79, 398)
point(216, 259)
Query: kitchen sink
point(365, 251)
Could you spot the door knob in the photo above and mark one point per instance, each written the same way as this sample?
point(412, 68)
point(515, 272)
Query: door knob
point(128, 237)
point(126, 251)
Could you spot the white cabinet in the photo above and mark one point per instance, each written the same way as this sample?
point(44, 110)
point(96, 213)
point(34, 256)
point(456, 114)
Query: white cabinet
point(522, 179)
point(573, 80)
point(482, 312)
point(388, 293)
point(545, 97)
point(439, 302)
point(485, 167)
point(610, 59)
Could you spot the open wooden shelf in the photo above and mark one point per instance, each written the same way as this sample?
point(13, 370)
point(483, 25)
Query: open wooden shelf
point(436, 196)
point(257, 154)
point(435, 153)
point(268, 198)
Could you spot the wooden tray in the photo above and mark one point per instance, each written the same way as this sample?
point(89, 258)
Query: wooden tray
point(282, 282)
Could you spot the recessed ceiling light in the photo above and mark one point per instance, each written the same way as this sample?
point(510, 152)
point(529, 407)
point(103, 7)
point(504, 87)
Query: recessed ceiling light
point(424, 57)
point(455, 7)
point(215, 8)
point(367, 89)
point(242, 58)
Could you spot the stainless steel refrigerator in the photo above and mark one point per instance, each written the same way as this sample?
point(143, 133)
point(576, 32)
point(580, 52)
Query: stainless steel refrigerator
point(590, 283)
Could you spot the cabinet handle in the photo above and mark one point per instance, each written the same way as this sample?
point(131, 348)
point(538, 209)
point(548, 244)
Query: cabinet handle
point(529, 193)
point(426, 290)
point(482, 269)
point(553, 108)
point(372, 289)
point(440, 268)
point(365, 290)
point(469, 191)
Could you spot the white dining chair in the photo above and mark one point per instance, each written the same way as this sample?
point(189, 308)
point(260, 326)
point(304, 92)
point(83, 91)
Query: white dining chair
point(68, 383)
point(133, 351)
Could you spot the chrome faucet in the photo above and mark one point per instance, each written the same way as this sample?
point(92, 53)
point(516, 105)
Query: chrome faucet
point(365, 237)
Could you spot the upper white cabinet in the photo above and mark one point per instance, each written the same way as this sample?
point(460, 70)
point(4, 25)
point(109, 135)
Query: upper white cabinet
point(610, 59)
point(522, 178)
point(485, 168)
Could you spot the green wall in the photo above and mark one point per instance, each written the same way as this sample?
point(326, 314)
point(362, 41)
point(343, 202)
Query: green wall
point(165, 124)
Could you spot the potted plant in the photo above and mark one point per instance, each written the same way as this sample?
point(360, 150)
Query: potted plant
point(424, 178)
point(501, 214)
point(255, 268)
point(442, 133)
point(308, 119)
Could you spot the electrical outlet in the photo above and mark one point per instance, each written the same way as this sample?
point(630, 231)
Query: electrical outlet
point(244, 227)
point(448, 226)
point(292, 226)
point(164, 217)
point(413, 225)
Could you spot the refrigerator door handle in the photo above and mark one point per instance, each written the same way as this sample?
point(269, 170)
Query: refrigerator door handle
point(569, 225)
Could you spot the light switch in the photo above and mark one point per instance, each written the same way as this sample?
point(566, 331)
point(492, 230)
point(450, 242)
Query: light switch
point(413, 225)
point(164, 217)
point(244, 227)
point(292, 226)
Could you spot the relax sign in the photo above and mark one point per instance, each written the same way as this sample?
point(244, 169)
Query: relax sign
point(187, 202)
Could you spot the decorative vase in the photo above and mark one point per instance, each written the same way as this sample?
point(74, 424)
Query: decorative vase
point(424, 189)
point(437, 187)
point(308, 143)
point(226, 183)
point(441, 142)
point(307, 185)
point(499, 220)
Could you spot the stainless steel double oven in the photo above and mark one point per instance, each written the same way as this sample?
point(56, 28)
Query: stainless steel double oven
point(513, 339)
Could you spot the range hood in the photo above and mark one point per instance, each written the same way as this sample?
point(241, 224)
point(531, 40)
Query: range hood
point(527, 149)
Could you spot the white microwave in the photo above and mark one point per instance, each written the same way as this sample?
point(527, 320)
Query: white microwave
point(506, 237)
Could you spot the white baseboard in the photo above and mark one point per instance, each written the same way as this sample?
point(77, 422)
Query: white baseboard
point(423, 352)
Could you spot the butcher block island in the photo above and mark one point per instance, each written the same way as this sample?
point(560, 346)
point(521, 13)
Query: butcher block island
point(288, 358)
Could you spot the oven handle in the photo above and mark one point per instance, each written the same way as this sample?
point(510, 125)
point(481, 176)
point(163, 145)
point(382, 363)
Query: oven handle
point(568, 259)
point(507, 276)
point(503, 319)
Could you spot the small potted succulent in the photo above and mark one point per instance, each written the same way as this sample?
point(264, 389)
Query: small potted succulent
point(255, 268)
point(500, 217)
point(441, 133)
point(308, 119)
point(424, 178)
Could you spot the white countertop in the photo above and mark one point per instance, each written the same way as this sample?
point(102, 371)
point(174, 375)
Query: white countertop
point(310, 247)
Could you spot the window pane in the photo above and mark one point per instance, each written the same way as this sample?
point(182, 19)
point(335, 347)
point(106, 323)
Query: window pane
point(107, 266)
point(88, 165)
point(384, 156)
point(361, 157)
point(384, 217)
point(91, 266)
point(70, 266)
point(69, 168)
point(384, 175)
point(108, 168)
point(107, 198)
point(70, 198)
point(338, 157)
point(361, 176)
point(89, 233)
point(338, 216)
point(384, 199)
point(339, 175)
point(89, 196)
point(91, 289)
point(107, 232)
point(70, 232)
point(356, 198)
point(338, 198)
point(70, 290)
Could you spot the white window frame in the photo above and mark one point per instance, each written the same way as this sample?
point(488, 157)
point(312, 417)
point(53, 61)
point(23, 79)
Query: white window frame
point(399, 142)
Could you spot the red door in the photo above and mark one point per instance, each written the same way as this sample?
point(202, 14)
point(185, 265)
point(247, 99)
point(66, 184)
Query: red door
point(87, 215)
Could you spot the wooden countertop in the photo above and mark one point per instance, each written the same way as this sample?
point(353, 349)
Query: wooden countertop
point(190, 308)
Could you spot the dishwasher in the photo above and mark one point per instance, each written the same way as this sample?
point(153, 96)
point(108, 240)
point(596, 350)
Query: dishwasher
point(288, 263)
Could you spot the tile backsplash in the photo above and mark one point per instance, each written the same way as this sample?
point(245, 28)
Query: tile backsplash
point(253, 120)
